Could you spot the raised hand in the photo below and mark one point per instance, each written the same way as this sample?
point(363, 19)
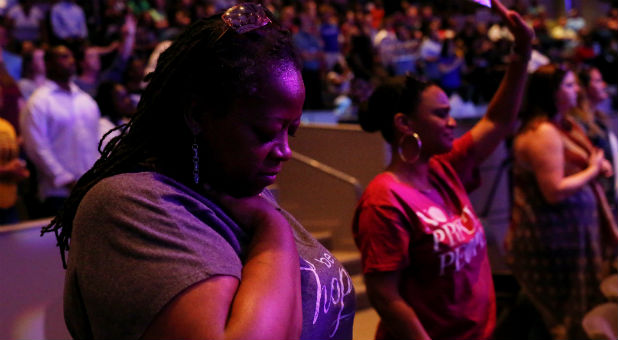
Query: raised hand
point(522, 32)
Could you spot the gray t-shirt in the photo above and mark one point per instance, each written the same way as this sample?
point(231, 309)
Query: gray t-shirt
point(139, 239)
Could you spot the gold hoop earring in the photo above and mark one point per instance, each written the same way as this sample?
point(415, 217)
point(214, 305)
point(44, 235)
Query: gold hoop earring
point(417, 143)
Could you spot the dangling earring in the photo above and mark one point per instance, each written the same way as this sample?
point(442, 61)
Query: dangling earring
point(417, 143)
point(196, 161)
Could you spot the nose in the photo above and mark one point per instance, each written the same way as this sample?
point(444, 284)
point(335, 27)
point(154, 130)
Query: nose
point(451, 122)
point(282, 149)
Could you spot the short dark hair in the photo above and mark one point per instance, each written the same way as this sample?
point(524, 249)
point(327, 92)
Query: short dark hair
point(395, 94)
point(204, 71)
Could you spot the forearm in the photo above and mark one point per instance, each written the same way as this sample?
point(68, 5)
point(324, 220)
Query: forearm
point(503, 109)
point(400, 319)
point(504, 106)
point(568, 186)
point(268, 303)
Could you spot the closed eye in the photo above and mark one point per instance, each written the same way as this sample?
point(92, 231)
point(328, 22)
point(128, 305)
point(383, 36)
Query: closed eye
point(442, 113)
point(292, 130)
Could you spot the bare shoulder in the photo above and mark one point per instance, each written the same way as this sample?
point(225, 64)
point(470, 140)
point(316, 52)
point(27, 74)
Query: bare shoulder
point(538, 133)
point(537, 139)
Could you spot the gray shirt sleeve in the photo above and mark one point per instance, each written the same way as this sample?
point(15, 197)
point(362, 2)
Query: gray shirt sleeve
point(138, 241)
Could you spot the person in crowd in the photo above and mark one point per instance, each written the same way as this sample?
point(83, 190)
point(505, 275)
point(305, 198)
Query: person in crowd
point(597, 126)
point(360, 56)
point(554, 241)
point(113, 14)
point(25, 20)
point(12, 100)
point(147, 34)
point(12, 171)
point(450, 65)
point(59, 126)
point(307, 41)
point(134, 78)
point(91, 74)
point(33, 72)
point(330, 36)
point(154, 56)
point(12, 61)
point(180, 19)
point(158, 13)
point(423, 248)
point(68, 23)
point(430, 50)
point(116, 108)
point(172, 233)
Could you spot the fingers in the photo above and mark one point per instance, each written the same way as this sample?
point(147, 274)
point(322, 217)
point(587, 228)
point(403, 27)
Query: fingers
point(500, 8)
point(606, 168)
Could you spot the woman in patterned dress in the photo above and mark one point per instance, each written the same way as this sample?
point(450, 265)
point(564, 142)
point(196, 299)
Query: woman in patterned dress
point(558, 206)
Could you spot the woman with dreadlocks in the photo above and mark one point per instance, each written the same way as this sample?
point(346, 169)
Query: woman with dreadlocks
point(172, 234)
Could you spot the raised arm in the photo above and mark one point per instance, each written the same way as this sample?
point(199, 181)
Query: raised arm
point(265, 304)
point(502, 110)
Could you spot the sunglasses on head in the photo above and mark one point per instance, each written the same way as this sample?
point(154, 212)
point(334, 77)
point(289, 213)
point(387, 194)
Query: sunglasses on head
point(246, 17)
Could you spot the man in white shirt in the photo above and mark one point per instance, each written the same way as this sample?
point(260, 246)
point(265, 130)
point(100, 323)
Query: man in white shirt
point(60, 130)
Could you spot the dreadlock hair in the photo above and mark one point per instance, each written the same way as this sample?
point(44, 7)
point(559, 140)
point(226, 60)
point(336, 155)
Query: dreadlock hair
point(394, 95)
point(204, 70)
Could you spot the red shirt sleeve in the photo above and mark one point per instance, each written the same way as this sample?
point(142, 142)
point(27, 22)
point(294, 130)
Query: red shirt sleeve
point(383, 238)
point(462, 159)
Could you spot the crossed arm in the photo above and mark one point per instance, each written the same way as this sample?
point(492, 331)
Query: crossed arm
point(265, 304)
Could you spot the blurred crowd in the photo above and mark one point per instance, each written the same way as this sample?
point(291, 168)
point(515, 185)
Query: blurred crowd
point(346, 46)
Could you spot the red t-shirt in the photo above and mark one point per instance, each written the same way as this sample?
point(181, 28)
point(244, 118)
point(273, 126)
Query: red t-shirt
point(441, 253)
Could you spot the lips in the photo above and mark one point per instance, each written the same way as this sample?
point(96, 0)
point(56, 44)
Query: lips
point(273, 172)
point(269, 175)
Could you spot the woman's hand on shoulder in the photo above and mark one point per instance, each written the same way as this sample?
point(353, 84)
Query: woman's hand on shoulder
point(250, 212)
point(595, 162)
point(264, 304)
point(607, 170)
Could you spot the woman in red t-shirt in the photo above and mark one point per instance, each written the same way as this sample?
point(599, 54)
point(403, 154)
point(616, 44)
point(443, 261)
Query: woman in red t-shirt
point(423, 248)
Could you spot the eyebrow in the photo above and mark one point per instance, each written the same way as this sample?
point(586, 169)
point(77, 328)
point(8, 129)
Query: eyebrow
point(442, 108)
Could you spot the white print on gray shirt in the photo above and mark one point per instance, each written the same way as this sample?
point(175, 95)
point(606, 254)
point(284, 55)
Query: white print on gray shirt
point(329, 297)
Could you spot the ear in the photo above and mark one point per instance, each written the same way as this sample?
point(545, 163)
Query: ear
point(402, 123)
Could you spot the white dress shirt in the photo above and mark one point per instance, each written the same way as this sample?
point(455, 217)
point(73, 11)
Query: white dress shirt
point(60, 130)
